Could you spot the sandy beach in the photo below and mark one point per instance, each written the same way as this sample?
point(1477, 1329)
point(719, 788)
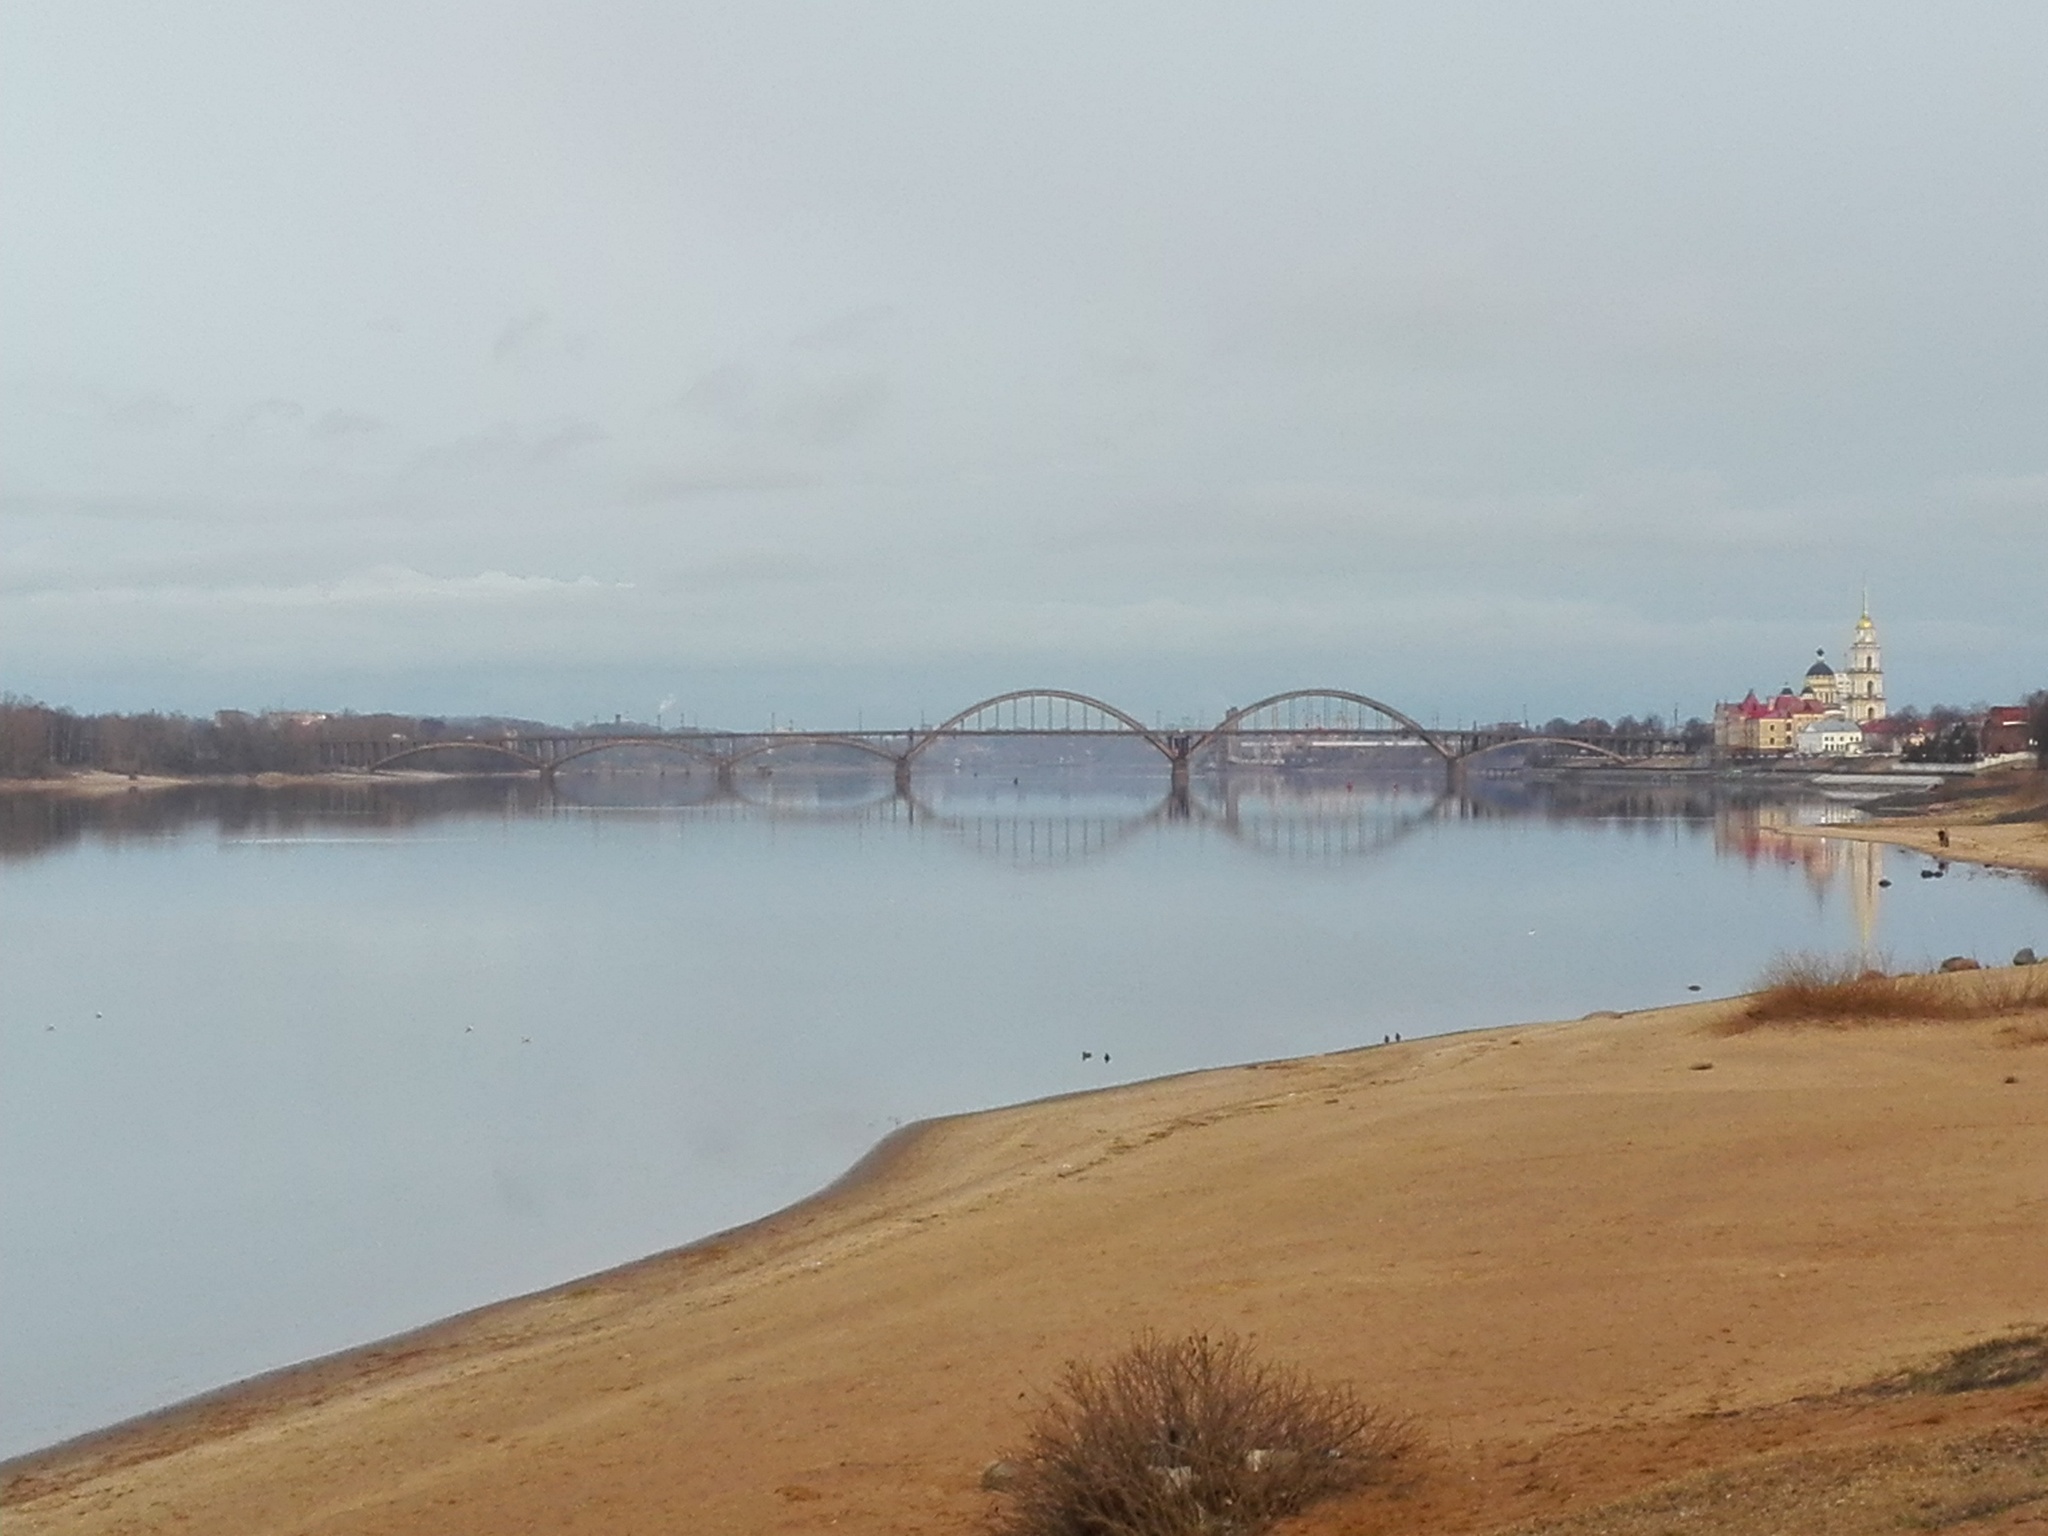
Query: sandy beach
point(1586, 1258)
point(1998, 818)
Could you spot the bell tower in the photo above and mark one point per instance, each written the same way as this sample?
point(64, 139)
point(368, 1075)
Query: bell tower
point(1863, 683)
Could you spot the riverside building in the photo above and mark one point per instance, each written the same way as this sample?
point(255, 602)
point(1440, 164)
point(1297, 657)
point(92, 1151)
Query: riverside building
point(1826, 717)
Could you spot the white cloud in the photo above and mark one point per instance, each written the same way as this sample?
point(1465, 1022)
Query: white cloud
point(388, 586)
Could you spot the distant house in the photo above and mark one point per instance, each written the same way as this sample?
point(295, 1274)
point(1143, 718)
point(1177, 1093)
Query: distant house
point(2005, 729)
point(1891, 735)
point(1754, 727)
point(1829, 736)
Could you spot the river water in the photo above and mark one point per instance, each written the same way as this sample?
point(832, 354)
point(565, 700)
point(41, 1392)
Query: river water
point(286, 1071)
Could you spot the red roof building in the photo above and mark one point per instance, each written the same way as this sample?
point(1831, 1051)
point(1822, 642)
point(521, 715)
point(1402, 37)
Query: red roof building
point(2005, 729)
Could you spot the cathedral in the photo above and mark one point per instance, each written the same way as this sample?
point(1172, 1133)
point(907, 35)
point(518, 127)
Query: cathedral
point(1826, 718)
point(1858, 692)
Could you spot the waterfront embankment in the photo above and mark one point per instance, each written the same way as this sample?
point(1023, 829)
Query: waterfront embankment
point(1588, 1258)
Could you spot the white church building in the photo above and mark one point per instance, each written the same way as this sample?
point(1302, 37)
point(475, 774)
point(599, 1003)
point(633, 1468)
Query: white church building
point(1826, 718)
point(1857, 692)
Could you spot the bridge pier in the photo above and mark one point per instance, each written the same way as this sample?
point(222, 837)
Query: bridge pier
point(725, 767)
point(903, 777)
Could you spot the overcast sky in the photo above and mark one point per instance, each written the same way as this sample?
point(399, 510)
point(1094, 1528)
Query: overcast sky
point(564, 359)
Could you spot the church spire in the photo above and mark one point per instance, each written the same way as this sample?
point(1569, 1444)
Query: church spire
point(1863, 683)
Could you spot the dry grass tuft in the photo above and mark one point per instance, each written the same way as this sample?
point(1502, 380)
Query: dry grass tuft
point(1191, 1435)
point(2011, 1361)
point(1816, 989)
point(1854, 1490)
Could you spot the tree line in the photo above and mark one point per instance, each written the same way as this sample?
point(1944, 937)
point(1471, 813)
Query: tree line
point(41, 741)
point(1955, 735)
point(1695, 734)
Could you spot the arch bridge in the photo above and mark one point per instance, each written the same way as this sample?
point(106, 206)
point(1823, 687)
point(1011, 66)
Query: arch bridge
point(1290, 729)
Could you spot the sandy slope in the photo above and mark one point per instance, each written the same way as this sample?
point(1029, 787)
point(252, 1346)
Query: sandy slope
point(1537, 1238)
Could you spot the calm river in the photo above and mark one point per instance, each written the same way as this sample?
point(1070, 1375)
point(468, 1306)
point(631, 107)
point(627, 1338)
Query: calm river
point(289, 1071)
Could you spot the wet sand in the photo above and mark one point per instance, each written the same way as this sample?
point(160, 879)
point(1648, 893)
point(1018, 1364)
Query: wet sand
point(1622, 1244)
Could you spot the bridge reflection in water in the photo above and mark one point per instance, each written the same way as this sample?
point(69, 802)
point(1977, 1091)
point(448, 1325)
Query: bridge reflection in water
point(1065, 817)
point(1039, 823)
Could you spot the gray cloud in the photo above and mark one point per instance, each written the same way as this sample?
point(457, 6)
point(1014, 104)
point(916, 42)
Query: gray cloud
point(832, 411)
point(340, 423)
point(563, 437)
point(518, 335)
point(143, 412)
point(1578, 358)
point(725, 394)
point(264, 418)
point(533, 338)
point(663, 485)
point(816, 411)
point(854, 331)
point(506, 447)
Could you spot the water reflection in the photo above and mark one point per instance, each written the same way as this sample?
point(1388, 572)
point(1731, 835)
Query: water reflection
point(1046, 820)
point(1291, 815)
point(1759, 834)
point(41, 822)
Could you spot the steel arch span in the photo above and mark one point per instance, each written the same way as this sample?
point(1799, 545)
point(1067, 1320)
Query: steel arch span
point(804, 739)
point(685, 749)
point(1230, 721)
point(1541, 741)
point(496, 748)
point(1051, 697)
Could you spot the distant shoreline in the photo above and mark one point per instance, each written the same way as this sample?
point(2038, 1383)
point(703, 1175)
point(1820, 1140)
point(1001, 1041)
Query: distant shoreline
point(97, 783)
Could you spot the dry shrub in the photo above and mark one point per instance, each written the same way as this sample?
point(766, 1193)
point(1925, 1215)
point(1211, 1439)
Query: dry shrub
point(1808, 988)
point(1192, 1435)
